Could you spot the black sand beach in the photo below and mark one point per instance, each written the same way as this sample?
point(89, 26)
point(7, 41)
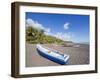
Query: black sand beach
point(78, 55)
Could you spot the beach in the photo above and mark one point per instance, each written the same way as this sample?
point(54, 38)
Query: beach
point(79, 55)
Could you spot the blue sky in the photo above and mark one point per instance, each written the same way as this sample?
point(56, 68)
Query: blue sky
point(64, 26)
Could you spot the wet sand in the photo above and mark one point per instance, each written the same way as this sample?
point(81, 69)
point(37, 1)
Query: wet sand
point(78, 55)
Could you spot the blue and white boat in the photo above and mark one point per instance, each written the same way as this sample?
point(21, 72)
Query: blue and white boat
point(53, 55)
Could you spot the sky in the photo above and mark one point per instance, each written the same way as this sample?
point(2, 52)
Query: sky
point(68, 27)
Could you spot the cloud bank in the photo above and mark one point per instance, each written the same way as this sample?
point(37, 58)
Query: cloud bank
point(61, 35)
point(64, 36)
point(36, 24)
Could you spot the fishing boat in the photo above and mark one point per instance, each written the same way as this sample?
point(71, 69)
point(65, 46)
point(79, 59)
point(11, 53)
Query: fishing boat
point(54, 56)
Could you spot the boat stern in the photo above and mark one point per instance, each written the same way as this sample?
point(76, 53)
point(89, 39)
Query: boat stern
point(66, 60)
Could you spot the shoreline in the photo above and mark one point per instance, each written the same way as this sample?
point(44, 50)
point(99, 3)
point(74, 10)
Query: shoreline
point(78, 55)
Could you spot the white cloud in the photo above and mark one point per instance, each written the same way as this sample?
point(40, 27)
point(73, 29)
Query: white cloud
point(37, 25)
point(66, 26)
point(64, 36)
point(48, 31)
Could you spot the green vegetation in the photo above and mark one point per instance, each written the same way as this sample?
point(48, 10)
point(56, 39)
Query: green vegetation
point(37, 36)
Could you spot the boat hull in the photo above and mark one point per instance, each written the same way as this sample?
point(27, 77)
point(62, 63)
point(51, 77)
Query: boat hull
point(54, 59)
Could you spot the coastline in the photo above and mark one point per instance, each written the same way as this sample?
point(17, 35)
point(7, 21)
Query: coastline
point(79, 55)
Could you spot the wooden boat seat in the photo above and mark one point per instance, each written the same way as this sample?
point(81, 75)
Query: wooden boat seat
point(49, 51)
